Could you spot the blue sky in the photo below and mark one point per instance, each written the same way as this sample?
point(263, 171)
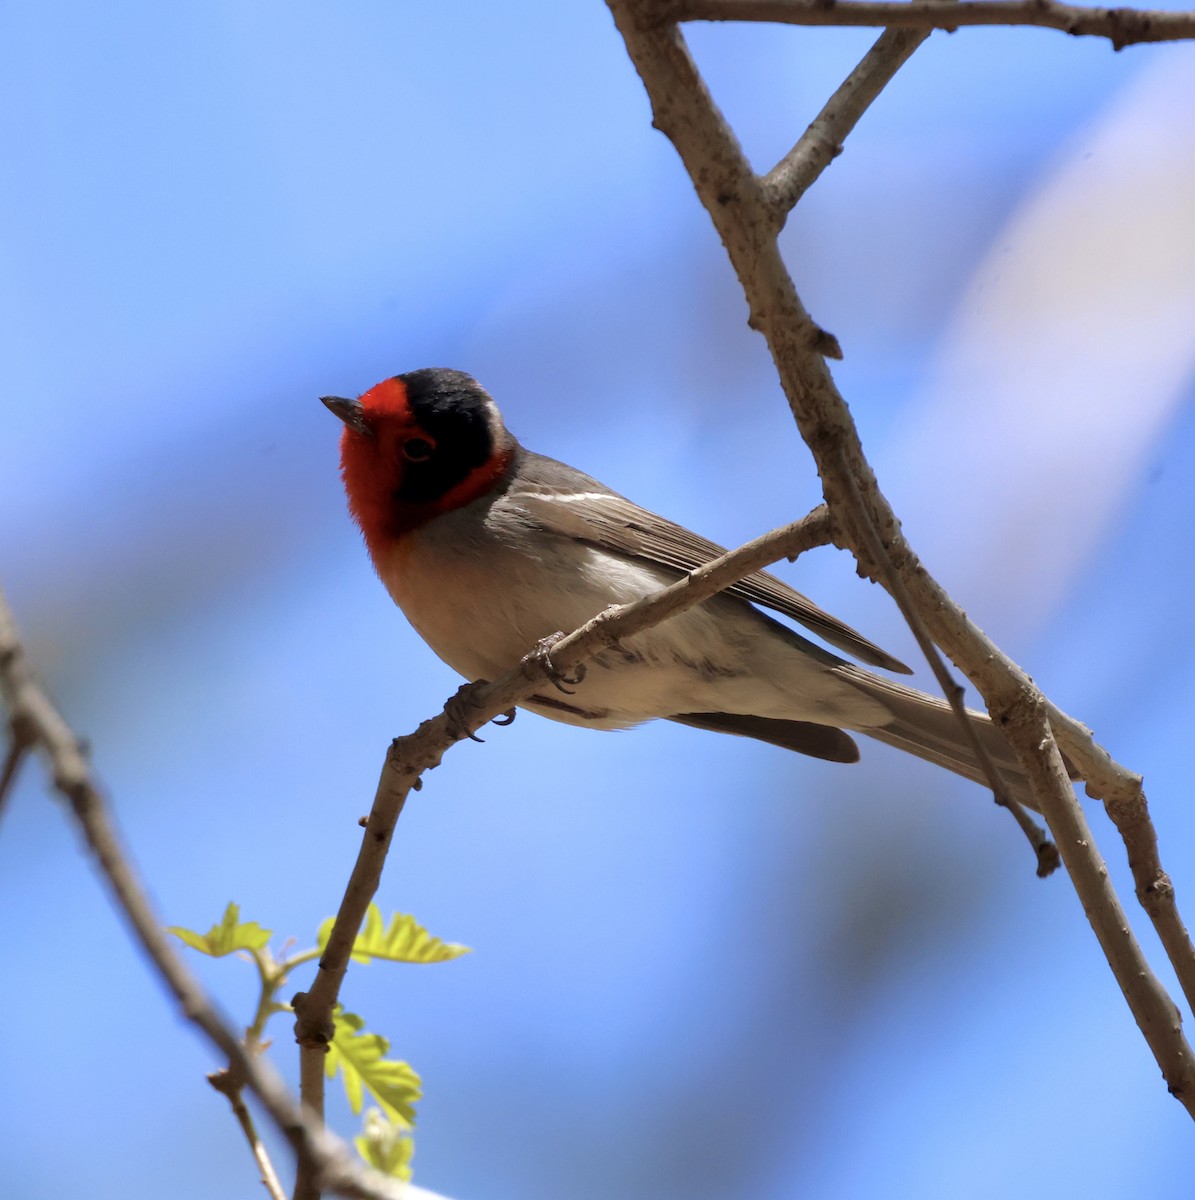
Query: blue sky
point(701, 967)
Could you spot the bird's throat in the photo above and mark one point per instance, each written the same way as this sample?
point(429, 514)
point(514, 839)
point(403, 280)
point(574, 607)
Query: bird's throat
point(386, 517)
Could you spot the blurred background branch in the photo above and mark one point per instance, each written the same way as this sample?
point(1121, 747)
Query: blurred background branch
point(329, 1161)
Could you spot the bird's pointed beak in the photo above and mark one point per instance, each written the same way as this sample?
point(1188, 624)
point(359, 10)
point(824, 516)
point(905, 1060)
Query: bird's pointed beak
point(349, 411)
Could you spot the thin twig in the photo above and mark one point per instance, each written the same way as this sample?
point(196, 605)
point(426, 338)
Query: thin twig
point(338, 1169)
point(821, 143)
point(226, 1084)
point(683, 109)
point(475, 704)
point(1045, 850)
point(1121, 26)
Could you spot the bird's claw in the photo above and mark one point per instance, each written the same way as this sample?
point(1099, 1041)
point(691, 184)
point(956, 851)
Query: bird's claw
point(457, 712)
point(542, 654)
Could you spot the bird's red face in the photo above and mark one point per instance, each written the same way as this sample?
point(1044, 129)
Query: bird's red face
point(416, 446)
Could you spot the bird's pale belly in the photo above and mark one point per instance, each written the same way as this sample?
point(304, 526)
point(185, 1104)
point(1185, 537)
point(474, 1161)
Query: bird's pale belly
point(482, 620)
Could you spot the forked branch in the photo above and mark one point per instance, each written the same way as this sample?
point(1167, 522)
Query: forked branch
point(738, 204)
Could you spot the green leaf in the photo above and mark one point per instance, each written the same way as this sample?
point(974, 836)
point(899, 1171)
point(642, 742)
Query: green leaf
point(404, 940)
point(386, 1146)
point(362, 1060)
point(231, 934)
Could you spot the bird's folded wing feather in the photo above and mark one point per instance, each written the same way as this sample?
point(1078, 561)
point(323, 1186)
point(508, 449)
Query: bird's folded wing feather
point(588, 511)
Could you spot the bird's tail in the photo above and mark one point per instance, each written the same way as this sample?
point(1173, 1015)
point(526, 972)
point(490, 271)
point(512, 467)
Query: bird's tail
point(928, 727)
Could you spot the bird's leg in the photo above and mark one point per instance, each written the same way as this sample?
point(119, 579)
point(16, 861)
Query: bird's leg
point(542, 656)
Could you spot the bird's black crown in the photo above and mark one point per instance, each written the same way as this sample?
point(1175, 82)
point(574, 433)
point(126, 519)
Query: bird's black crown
point(458, 415)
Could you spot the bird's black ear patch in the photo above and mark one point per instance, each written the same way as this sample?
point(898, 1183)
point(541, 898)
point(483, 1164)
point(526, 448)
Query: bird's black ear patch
point(458, 419)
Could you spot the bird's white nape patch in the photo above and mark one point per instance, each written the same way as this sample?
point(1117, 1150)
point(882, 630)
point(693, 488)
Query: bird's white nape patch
point(493, 419)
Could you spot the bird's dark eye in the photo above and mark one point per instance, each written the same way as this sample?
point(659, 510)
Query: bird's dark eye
point(417, 449)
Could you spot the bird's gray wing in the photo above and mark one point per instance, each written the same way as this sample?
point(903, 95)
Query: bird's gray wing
point(567, 502)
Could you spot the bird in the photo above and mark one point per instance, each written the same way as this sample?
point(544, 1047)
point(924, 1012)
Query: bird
point(489, 548)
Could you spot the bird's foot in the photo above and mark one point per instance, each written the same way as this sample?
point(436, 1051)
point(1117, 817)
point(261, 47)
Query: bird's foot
point(542, 656)
point(459, 709)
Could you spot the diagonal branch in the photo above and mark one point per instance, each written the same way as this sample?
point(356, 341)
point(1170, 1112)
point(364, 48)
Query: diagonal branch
point(1121, 26)
point(1046, 851)
point(994, 674)
point(821, 143)
point(684, 111)
point(1028, 729)
point(231, 1088)
point(477, 703)
point(1124, 800)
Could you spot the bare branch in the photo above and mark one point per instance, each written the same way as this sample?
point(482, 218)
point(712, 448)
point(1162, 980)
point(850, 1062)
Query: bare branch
point(822, 142)
point(997, 677)
point(1046, 851)
point(475, 704)
point(336, 1167)
point(1121, 26)
point(228, 1086)
point(1125, 803)
point(1028, 728)
point(683, 110)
